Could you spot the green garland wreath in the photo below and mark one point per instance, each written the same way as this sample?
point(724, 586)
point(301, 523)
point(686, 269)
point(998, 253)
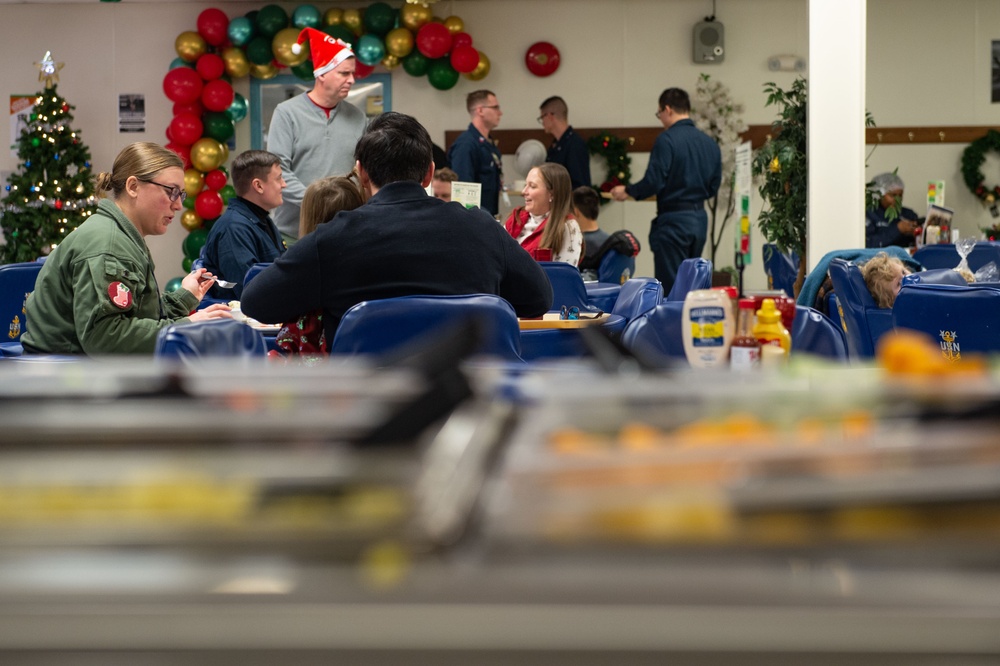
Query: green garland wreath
point(972, 167)
point(614, 150)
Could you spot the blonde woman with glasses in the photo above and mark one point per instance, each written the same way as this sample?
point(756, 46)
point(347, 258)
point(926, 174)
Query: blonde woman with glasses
point(96, 293)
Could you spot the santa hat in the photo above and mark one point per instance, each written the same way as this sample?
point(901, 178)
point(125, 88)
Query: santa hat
point(327, 52)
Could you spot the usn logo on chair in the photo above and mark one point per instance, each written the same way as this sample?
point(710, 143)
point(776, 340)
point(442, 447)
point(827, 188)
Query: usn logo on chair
point(950, 348)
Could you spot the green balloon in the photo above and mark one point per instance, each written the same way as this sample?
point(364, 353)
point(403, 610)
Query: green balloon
point(186, 264)
point(227, 192)
point(270, 20)
point(441, 74)
point(306, 16)
point(342, 33)
point(370, 50)
point(180, 62)
point(416, 63)
point(379, 18)
point(193, 243)
point(304, 71)
point(173, 285)
point(218, 126)
point(240, 30)
point(188, 202)
point(237, 111)
point(259, 50)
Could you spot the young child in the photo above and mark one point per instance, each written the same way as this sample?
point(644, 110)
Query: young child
point(323, 199)
point(883, 277)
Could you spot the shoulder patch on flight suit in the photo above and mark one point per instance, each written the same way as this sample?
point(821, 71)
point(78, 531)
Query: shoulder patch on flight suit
point(120, 295)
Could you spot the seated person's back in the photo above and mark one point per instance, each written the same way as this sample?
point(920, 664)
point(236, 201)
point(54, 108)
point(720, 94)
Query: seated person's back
point(245, 234)
point(401, 242)
point(586, 208)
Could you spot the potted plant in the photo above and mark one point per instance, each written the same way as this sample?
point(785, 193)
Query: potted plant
point(781, 166)
point(716, 114)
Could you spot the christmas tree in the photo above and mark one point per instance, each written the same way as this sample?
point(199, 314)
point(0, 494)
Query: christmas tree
point(52, 192)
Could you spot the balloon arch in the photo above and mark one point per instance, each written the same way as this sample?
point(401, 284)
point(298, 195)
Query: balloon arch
point(259, 44)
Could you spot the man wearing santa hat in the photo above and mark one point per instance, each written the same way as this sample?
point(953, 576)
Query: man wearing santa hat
point(314, 133)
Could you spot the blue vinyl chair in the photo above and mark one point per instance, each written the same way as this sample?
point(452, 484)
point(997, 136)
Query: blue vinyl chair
point(16, 282)
point(815, 333)
point(567, 285)
point(615, 267)
point(253, 271)
point(782, 269)
point(638, 296)
point(602, 295)
point(960, 318)
point(936, 276)
point(945, 255)
point(691, 274)
point(193, 341)
point(862, 321)
point(382, 326)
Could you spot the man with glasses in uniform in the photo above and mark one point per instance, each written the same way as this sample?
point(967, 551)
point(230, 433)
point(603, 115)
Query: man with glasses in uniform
point(568, 148)
point(474, 156)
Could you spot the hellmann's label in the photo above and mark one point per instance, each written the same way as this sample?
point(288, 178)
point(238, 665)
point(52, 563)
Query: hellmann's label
point(707, 326)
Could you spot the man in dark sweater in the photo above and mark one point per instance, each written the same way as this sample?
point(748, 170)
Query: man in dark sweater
point(401, 242)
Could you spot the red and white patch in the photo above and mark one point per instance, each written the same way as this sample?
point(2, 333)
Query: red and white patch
point(120, 295)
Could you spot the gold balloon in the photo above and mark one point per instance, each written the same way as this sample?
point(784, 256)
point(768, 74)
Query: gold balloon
point(268, 71)
point(481, 70)
point(194, 182)
point(190, 220)
point(225, 153)
point(413, 16)
point(454, 24)
point(399, 42)
point(390, 62)
point(190, 46)
point(281, 45)
point(206, 154)
point(353, 20)
point(333, 16)
point(237, 65)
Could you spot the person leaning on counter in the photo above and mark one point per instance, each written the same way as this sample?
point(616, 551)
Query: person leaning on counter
point(96, 293)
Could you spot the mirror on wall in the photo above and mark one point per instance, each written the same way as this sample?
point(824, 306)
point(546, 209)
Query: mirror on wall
point(373, 95)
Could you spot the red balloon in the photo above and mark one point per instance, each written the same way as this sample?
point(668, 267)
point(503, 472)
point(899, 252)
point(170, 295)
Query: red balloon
point(182, 84)
point(194, 107)
point(461, 39)
point(361, 70)
point(215, 180)
point(464, 59)
point(208, 205)
point(542, 58)
point(217, 95)
point(210, 66)
point(185, 129)
point(213, 25)
point(434, 40)
point(170, 135)
point(184, 152)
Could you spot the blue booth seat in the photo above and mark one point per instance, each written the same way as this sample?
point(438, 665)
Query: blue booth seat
point(862, 320)
point(615, 267)
point(691, 274)
point(382, 326)
point(961, 319)
point(782, 269)
point(16, 282)
point(602, 295)
point(193, 341)
point(567, 285)
point(936, 276)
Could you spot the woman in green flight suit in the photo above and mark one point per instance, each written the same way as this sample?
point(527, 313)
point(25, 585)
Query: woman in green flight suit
point(96, 293)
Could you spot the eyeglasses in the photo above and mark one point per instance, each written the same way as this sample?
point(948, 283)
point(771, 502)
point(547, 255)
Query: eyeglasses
point(174, 193)
point(495, 106)
point(542, 117)
point(569, 312)
point(657, 114)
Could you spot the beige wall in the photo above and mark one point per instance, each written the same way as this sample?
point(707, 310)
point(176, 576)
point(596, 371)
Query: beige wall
point(928, 64)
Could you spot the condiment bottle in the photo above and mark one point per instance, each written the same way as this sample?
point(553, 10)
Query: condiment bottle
point(707, 327)
point(769, 329)
point(744, 352)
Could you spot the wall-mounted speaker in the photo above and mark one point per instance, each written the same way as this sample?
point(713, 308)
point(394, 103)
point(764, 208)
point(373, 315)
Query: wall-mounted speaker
point(709, 38)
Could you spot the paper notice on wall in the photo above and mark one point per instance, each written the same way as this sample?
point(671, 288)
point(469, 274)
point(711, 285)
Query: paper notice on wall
point(743, 184)
point(467, 194)
point(935, 193)
point(131, 113)
point(20, 115)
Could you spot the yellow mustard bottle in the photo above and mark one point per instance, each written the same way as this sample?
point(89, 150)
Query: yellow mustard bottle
point(769, 329)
